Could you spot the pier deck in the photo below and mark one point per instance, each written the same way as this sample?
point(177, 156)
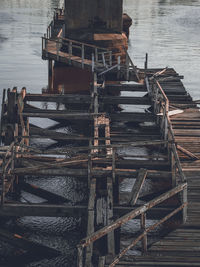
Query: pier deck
point(156, 143)
point(181, 246)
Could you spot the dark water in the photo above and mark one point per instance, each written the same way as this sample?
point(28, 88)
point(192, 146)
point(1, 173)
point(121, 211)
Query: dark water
point(167, 29)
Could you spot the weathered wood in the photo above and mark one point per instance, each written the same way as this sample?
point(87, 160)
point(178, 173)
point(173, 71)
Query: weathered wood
point(43, 210)
point(137, 186)
point(110, 237)
point(90, 224)
point(11, 107)
point(105, 230)
point(150, 228)
point(143, 229)
point(124, 173)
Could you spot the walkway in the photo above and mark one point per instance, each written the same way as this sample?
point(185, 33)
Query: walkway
point(180, 247)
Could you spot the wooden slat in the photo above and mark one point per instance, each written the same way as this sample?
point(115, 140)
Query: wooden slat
point(137, 186)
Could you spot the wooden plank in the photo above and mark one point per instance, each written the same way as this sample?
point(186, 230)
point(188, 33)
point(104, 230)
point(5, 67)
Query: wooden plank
point(137, 186)
point(43, 210)
point(186, 152)
point(61, 115)
point(124, 173)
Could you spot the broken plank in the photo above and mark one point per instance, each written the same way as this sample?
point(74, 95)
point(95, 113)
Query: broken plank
point(137, 186)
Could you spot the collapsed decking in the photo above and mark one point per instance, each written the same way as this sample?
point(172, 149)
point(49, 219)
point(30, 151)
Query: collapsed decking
point(100, 161)
point(153, 144)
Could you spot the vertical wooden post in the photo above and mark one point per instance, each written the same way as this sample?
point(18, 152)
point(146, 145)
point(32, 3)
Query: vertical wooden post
point(113, 163)
point(127, 67)
point(80, 257)
point(82, 55)
point(3, 180)
point(89, 163)
point(50, 74)
point(166, 128)
point(118, 66)
point(3, 189)
point(27, 132)
point(57, 49)
point(118, 63)
point(146, 62)
point(12, 107)
point(110, 236)
point(70, 50)
point(2, 113)
point(45, 44)
point(110, 58)
point(93, 63)
point(90, 223)
point(96, 54)
point(101, 261)
point(184, 197)
point(173, 169)
point(103, 59)
point(143, 226)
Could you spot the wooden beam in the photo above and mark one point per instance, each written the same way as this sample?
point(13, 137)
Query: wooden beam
point(124, 173)
point(60, 115)
point(137, 186)
point(49, 196)
point(90, 224)
point(111, 237)
point(43, 210)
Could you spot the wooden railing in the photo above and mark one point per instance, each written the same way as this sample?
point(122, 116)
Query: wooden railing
point(86, 53)
point(161, 109)
point(141, 211)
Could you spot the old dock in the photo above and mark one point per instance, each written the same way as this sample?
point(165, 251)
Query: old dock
point(141, 130)
point(159, 144)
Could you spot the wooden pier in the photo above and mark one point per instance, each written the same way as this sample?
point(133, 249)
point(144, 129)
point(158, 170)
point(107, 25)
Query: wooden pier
point(154, 147)
point(149, 146)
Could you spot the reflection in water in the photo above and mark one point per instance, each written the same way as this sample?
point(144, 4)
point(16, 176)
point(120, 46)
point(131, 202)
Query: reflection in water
point(22, 23)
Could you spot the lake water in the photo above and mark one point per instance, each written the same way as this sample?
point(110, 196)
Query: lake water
point(167, 29)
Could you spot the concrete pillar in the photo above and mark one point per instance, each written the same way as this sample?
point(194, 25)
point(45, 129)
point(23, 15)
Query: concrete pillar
point(84, 17)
